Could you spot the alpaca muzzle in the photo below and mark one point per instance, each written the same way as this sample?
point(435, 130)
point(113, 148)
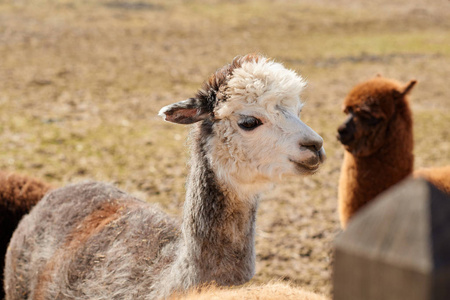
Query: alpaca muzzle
point(346, 132)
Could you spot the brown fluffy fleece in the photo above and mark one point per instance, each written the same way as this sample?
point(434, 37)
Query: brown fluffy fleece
point(378, 141)
point(270, 291)
point(440, 177)
point(18, 194)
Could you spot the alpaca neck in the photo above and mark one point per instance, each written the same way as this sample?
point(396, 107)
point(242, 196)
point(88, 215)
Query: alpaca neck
point(383, 169)
point(364, 178)
point(218, 228)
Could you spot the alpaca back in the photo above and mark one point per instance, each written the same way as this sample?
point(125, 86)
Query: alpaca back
point(89, 241)
point(440, 177)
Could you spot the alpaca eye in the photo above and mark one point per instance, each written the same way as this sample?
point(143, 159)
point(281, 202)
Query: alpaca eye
point(249, 123)
point(370, 120)
point(373, 121)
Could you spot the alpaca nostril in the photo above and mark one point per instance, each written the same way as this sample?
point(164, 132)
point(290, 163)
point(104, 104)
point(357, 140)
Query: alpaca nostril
point(310, 147)
point(314, 146)
point(342, 130)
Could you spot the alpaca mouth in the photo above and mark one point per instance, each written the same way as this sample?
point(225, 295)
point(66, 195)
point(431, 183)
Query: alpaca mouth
point(344, 139)
point(312, 163)
point(302, 166)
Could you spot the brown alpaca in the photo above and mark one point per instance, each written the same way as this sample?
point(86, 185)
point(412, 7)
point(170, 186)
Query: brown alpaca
point(378, 141)
point(18, 194)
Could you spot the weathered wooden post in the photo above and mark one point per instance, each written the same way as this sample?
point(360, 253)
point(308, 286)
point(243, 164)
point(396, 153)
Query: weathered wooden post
point(397, 248)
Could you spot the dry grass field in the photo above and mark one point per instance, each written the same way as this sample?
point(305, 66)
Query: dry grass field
point(81, 83)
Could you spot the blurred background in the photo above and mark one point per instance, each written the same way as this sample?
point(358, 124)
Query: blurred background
point(81, 83)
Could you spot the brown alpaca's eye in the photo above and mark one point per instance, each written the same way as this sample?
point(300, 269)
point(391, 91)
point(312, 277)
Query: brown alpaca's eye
point(373, 121)
point(249, 123)
point(370, 120)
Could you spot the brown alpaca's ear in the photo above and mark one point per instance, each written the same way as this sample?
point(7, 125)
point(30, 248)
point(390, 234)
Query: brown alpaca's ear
point(408, 87)
point(378, 75)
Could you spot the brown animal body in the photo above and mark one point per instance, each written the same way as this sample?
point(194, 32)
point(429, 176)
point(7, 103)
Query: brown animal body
point(440, 177)
point(378, 141)
point(18, 194)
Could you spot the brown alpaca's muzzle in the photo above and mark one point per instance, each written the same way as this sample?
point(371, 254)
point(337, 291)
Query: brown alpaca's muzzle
point(346, 132)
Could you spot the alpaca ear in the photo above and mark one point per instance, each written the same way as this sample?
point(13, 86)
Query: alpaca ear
point(184, 112)
point(408, 87)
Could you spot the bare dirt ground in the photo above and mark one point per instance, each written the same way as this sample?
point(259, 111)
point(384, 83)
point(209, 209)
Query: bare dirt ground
point(81, 83)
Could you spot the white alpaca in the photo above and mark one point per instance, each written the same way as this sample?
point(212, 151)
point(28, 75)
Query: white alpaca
point(93, 241)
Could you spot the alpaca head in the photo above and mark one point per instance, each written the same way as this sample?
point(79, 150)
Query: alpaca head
point(371, 108)
point(251, 109)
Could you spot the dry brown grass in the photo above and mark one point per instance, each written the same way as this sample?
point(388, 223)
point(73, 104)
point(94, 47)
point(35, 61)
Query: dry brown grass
point(81, 83)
